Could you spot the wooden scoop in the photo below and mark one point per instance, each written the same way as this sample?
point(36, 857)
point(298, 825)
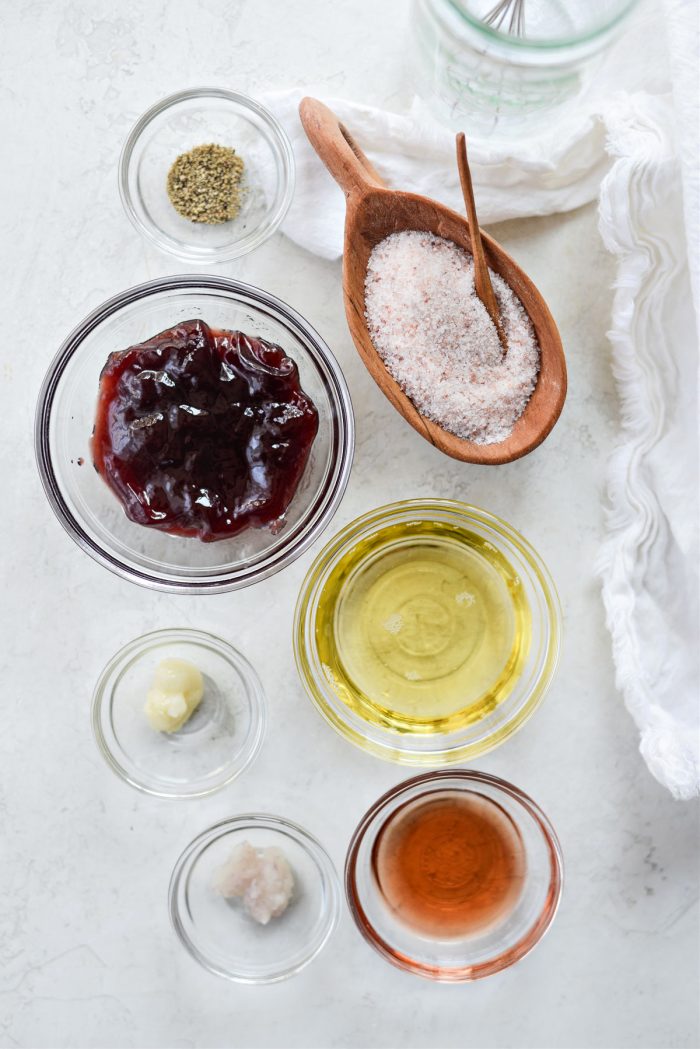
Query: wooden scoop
point(373, 212)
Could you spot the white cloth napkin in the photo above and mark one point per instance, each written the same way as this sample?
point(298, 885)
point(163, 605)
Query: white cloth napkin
point(556, 170)
point(412, 152)
point(649, 562)
point(637, 144)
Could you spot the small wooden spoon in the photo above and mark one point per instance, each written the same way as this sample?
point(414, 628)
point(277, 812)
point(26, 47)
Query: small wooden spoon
point(373, 212)
point(482, 281)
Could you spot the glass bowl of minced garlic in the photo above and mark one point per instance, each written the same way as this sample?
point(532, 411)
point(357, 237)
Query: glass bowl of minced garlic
point(207, 175)
point(178, 713)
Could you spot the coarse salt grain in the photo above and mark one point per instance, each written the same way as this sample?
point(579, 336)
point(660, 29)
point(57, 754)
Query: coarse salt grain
point(436, 338)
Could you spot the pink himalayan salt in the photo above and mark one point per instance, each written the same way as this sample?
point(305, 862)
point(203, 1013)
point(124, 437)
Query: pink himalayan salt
point(438, 341)
point(261, 878)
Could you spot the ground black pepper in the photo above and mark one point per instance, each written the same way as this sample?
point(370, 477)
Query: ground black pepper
point(204, 184)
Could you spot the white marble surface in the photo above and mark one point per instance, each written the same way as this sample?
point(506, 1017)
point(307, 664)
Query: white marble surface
point(87, 957)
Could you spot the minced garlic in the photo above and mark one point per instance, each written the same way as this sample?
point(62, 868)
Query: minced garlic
point(176, 693)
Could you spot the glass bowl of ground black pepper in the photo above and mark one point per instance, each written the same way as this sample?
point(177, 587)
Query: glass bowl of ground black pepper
point(238, 431)
point(207, 175)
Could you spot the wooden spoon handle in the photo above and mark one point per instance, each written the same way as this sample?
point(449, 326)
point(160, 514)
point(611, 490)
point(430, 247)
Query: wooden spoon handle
point(482, 281)
point(337, 149)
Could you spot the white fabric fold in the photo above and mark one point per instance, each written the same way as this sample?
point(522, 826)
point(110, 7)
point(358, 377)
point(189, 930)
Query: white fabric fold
point(643, 145)
point(649, 562)
point(557, 172)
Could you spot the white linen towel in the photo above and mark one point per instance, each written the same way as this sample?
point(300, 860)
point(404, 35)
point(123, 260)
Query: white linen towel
point(630, 142)
point(414, 153)
point(649, 218)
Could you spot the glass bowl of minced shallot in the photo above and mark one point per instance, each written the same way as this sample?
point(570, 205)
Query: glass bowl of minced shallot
point(194, 434)
point(254, 898)
point(207, 175)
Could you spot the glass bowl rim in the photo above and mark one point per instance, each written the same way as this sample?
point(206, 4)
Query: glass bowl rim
point(374, 520)
point(235, 249)
point(71, 346)
point(555, 44)
point(307, 841)
point(507, 958)
point(254, 692)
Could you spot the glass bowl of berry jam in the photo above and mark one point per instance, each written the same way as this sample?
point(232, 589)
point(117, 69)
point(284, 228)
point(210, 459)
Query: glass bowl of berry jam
point(214, 211)
point(454, 876)
point(194, 434)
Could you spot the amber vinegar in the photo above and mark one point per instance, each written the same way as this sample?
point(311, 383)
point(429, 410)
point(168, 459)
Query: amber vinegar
point(450, 864)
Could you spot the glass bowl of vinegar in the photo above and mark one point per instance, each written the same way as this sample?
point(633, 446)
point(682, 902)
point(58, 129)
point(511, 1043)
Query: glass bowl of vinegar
point(454, 875)
point(427, 631)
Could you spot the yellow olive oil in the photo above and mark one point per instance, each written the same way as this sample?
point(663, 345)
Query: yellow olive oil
point(423, 627)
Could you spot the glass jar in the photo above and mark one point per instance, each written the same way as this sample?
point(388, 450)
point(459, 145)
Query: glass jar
point(504, 78)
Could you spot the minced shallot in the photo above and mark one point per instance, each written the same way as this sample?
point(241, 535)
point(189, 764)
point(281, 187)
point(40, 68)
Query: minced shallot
point(438, 341)
point(261, 878)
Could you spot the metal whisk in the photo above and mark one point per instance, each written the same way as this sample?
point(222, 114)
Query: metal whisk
point(511, 10)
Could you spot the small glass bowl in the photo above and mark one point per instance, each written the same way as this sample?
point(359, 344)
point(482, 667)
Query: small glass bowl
point(221, 936)
point(86, 506)
point(219, 741)
point(194, 118)
point(467, 958)
point(500, 710)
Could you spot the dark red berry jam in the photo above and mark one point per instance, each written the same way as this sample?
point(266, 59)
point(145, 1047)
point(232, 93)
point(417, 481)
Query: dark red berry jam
point(202, 432)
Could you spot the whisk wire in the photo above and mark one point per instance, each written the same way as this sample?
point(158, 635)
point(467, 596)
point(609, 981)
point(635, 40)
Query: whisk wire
point(499, 15)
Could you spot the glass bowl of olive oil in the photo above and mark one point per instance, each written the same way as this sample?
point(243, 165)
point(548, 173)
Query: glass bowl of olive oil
point(427, 631)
